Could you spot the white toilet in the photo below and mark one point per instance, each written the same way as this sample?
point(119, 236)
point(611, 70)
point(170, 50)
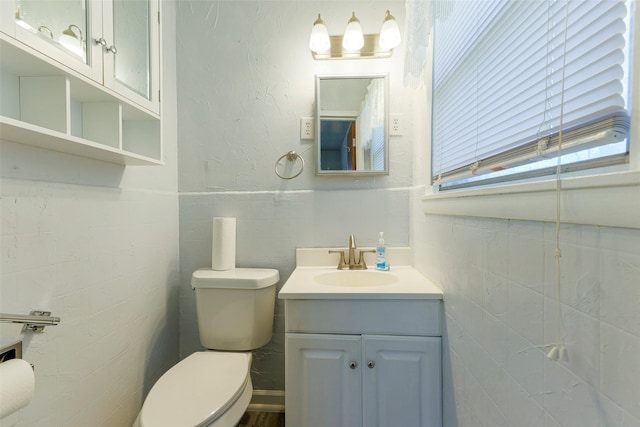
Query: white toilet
point(213, 388)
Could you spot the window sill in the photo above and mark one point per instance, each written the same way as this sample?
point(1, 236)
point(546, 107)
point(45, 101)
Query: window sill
point(611, 200)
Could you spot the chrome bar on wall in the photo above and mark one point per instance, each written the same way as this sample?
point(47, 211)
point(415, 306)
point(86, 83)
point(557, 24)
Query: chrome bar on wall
point(33, 322)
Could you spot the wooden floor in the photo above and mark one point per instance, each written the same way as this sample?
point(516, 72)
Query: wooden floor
point(262, 419)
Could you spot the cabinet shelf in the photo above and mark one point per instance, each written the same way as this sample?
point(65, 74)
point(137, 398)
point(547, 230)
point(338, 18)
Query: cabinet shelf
point(12, 130)
point(47, 104)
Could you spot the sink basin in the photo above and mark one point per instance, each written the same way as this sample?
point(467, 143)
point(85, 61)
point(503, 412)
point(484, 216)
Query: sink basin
point(316, 278)
point(356, 278)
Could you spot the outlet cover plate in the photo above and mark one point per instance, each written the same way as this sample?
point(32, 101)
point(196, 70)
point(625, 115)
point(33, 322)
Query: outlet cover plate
point(396, 127)
point(306, 128)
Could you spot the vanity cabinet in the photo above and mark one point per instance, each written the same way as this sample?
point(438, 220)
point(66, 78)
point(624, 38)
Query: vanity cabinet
point(363, 380)
point(362, 347)
point(97, 98)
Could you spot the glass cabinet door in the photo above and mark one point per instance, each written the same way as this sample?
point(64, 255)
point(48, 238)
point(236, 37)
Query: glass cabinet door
point(132, 68)
point(131, 36)
point(61, 23)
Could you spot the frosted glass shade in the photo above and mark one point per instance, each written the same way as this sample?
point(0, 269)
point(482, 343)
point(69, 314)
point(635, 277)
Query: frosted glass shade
point(319, 39)
point(71, 41)
point(389, 33)
point(353, 39)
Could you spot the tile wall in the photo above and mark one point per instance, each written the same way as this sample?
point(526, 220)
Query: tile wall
point(499, 280)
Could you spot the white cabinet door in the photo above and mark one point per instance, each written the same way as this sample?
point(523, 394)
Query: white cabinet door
point(402, 381)
point(323, 385)
point(60, 29)
point(131, 57)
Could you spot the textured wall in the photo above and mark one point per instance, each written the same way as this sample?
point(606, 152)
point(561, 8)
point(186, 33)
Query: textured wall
point(97, 244)
point(498, 277)
point(245, 78)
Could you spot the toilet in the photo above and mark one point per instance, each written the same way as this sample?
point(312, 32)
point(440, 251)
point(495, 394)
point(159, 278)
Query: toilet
point(213, 388)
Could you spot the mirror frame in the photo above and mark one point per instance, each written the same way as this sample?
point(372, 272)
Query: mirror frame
point(319, 170)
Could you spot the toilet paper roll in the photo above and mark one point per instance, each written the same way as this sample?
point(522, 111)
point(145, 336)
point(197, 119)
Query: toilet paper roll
point(17, 385)
point(223, 253)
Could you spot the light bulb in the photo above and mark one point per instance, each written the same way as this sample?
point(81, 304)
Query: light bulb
point(72, 41)
point(389, 33)
point(353, 39)
point(319, 39)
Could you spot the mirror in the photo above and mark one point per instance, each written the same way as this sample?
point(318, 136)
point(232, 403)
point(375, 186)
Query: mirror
point(351, 125)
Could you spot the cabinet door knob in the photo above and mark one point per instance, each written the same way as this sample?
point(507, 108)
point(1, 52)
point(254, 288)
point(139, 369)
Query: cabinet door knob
point(353, 364)
point(101, 41)
point(112, 49)
point(371, 364)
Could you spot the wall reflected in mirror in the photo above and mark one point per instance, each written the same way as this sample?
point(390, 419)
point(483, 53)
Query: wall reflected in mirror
point(352, 130)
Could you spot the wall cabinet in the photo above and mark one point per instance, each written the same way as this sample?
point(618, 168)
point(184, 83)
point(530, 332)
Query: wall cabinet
point(363, 380)
point(97, 98)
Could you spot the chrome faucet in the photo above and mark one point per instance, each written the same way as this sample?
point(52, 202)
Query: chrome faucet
point(350, 262)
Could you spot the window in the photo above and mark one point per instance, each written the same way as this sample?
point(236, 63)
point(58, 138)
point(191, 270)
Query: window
point(511, 79)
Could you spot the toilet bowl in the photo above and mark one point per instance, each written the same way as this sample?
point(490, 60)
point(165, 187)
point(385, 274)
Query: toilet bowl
point(213, 388)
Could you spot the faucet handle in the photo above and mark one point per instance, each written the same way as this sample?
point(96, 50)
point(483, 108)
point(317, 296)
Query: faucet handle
point(352, 241)
point(362, 265)
point(342, 265)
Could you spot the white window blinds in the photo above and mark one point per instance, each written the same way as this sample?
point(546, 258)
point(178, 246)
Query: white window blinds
point(498, 80)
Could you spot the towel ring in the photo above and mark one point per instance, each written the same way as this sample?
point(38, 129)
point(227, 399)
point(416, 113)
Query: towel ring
point(291, 156)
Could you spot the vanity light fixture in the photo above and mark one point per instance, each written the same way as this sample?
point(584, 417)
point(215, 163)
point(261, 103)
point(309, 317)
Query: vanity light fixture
point(72, 41)
point(354, 44)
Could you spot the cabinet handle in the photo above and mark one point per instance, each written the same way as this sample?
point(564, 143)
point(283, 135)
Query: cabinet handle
point(371, 364)
point(353, 364)
point(112, 49)
point(101, 41)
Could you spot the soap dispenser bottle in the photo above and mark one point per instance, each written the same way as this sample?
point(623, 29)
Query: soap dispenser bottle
point(381, 254)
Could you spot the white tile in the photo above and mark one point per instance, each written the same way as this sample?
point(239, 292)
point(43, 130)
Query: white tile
point(495, 339)
point(568, 399)
point(620, 240)
point(495, 299)
point(475, 398)
point(620, 368)
point(582, 340)
point(525, 365)
point(493, 416)
point(620, 288)
point(496, 382)
point(580, 277)
point(524, 411)
point(550, 422)
point(613, 415)
point(526, 313)
point(526, 261)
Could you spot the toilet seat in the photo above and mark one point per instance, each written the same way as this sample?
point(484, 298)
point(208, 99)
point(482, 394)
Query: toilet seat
point(197, 391)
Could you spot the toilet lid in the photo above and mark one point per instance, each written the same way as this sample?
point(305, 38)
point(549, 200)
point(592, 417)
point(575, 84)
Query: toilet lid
point(197, 390)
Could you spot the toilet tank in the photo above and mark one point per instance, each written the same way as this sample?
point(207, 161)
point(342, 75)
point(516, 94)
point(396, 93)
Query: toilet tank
point(235, 307)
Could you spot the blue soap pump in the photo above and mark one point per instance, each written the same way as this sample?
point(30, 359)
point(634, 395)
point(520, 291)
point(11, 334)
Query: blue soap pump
point(381, 254)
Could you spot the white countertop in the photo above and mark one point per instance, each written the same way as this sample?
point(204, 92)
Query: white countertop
point(411, 285)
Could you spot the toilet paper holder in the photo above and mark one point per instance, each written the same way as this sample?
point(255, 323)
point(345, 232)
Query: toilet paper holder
point(13, 351)
point(34, 322)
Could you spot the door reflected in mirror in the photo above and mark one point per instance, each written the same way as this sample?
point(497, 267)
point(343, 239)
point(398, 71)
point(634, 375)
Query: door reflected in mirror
point(352, 131)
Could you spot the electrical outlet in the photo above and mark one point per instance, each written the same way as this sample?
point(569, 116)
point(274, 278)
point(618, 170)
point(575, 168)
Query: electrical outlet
point(306, 128)
point(396, 127)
